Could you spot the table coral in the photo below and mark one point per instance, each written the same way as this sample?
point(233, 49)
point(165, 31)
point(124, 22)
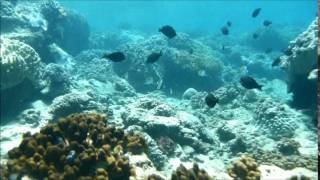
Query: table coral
point(80, 146)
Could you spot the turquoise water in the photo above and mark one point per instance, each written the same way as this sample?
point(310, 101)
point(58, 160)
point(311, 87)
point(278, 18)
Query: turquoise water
point(87, 83)
point(207, 16)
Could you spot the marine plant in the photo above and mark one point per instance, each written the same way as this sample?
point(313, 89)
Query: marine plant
point(79, 146)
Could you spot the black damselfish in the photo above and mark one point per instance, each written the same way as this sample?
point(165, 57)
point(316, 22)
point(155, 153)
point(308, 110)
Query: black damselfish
point(249, 83)
point(168, 31)
point(115, 56)
point(211, 100)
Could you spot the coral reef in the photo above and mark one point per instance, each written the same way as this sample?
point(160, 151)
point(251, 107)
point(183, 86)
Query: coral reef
point(275, 118)
point(288, 146)
point(19, 61)
point(195, 173)
point(166, 145)
point(299, 63)
point(201, 66)
point(80, 146)
point(245, 168)
point(67, 29)
point(69, 103)
point(287, 162)
point(57, 80)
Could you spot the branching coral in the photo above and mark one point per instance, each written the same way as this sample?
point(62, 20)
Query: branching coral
point(19, 61)
point(245, 169)
point(80, 146)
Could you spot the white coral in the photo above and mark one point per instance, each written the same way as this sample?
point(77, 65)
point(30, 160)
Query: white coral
point(18, 62)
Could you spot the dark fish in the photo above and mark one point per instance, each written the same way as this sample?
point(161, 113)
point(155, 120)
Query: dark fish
point(268, 50)
point(211, 100)
point(256, 12)
point(115, 56)
point(168, 31)
point(229, 23)
point(249, 83)
point(287, 51)
point(255, 35)
point(276, 62)
point(153, 57)
point(225, 30)
point(190, 51)
point(267, 23)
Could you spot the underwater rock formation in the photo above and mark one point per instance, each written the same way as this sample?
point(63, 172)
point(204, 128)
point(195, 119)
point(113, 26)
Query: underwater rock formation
point(80, 146)
point(67, 28)
point(57, 80)
point(183, 61)
point(19, 61)
point(69, 103)
point(299, 63)
point(275, 119)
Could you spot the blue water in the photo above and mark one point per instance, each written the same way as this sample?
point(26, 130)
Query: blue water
point(207, 16)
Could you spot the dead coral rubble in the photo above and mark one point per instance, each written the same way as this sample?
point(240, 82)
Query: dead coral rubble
point(80, 146)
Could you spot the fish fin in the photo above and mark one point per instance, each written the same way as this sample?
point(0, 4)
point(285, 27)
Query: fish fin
point(106, 56)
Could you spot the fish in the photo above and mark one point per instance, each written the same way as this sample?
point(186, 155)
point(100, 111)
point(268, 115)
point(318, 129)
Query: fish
point(256, 12)
point(190, 51)
point(211, 100)
point(287, 51)
point(153, 57)
point(229, 23)
point(276, 62)
point(168, 31)
point(225, 30)
point(115, 56)
point(255, 35)
point(267, 23)
point(249, 83)
point(268, 50)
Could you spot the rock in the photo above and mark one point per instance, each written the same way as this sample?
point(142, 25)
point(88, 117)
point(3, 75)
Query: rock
point(68, 29)
point(189, 93)
point(225, 134)
point(299, 64)
point(69, 103)
point(57, 80)
point(226, 94)
point(30, 116)
point(275, 119)
point(288, 146)
point(164, 110)
point(237, 146)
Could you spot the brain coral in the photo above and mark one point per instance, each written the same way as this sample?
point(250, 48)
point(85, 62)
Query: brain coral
point(19, 61)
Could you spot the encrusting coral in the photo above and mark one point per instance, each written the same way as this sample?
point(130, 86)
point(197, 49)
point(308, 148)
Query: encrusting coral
point(80, 146)
point(245, 168)
point(182, 173)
